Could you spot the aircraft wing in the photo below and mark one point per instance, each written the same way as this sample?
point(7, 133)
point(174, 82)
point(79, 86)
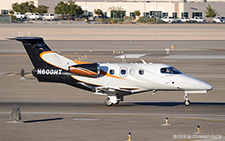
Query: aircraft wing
point(105, 90)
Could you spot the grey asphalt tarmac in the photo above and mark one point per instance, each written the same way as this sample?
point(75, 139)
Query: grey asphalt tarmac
point(53, 111)
point(59, 31)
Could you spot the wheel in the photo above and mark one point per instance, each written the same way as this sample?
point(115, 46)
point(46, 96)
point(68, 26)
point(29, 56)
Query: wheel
point(117, 102)
point(187, 103)
point(108, 102)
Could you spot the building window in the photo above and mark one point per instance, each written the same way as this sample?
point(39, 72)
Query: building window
point(121, 15)
point(85, 13)
point(174, 14)
point(197, 14)
point(4, 11)
point(132, 14)
point(146, 14)
point(184, 14)
point(164, 14)
point(156, 14)
point(90, 14)
point(104, 14)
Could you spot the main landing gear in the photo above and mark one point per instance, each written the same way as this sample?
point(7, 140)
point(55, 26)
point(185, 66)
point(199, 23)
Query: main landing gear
point(108, 102)
point(113, 100)
point(187, 101)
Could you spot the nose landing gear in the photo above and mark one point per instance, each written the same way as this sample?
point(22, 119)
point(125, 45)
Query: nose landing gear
point(187, 101)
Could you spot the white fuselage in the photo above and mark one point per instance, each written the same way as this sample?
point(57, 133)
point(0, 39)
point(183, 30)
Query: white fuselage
point(144, 77)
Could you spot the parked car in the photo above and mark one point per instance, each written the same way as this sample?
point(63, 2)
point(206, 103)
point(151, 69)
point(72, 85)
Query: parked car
point(219, 20)
point(50, 17)
point(184, 20)
point(20, 15)
point(198, 20)
point(169, 20)
point(34, 16)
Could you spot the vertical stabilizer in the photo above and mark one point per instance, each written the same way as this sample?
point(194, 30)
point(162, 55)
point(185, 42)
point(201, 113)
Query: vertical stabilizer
point(34, 47)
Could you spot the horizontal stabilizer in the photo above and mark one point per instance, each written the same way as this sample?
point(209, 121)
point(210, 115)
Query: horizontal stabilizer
point(130, 56)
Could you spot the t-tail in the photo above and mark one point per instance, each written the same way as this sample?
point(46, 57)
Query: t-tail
point(52, 67)
point(34, 47)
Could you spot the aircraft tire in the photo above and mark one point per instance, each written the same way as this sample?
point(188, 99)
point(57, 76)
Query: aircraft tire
point(108, 102)
point(187, 103)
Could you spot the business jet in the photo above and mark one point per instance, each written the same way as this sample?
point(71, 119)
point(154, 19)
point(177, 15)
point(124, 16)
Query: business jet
point(114, 80)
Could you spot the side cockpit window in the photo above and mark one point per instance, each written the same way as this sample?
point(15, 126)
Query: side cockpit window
point(175, 71)
point(170, 70)
point(165, 70)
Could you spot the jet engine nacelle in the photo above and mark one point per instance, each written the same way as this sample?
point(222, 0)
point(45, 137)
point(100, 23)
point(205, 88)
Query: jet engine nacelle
point(85, 69)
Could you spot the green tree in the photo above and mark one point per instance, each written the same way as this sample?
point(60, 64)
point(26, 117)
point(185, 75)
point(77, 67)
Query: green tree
point(24, 7)
point(16, 7)
point(117, 11)
point(79, 11)
point(29, 7)
point(137, 13)
point(210, 13)
point(68, 9)
point(98, 11)
point(41, 9)
point(60, 8)
point(11, 12)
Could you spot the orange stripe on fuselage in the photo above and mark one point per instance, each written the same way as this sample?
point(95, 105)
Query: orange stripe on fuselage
point(78, 63)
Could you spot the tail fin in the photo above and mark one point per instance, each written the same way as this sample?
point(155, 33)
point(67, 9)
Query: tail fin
point(34, 47)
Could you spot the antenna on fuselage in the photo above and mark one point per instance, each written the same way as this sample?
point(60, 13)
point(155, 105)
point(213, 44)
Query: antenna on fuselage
point(125, 56)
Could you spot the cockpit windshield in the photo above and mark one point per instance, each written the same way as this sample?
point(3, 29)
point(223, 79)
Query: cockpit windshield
point(170, 70)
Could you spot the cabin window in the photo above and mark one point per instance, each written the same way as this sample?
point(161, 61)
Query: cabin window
point(141, 72)
point(112, 71)
point(123, 71)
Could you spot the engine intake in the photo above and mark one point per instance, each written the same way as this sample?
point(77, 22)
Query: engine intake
point(85, 69)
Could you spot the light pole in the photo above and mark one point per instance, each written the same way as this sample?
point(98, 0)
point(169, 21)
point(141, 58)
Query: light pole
point(144, 8)
point(156, 10)
point(86, 13)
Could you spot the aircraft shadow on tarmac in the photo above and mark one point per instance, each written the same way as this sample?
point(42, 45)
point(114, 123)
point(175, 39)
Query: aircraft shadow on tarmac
point(93, 104)
point(175, 103)
point(42, 120)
